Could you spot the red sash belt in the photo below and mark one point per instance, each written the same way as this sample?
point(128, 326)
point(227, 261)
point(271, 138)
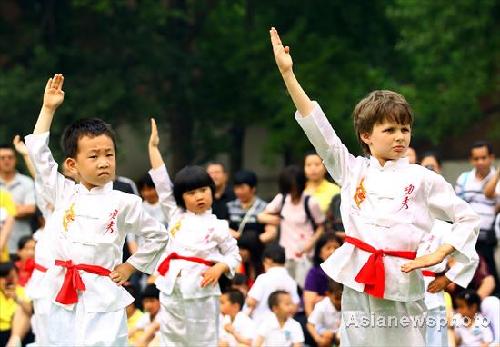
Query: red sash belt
point(372, 274)
point(165, 265)
point(68, 294)
point(428, 273)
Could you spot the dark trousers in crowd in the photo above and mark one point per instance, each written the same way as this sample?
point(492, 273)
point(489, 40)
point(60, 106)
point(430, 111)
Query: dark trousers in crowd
point(486, 249)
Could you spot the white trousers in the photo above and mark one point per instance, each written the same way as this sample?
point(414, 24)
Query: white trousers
point(436, 335)
point(368, 321)
point(80, 328)
point(188, 322)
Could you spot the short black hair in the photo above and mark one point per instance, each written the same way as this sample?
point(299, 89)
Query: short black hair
point(23, 241)
point(6, 268)
point(245, 177)
point(470, 297)
point(7, 146)
point(190, 178)
point(276, 253)
point(239, 279)
point(431, 153)
point(221, 164)
point(334, 287)
point(235, 297)
point(274, 298)
point(145, 181)
point(323, 240)
point(292, 179)
point(91, 127)
point(479, 144)
point(151, 292)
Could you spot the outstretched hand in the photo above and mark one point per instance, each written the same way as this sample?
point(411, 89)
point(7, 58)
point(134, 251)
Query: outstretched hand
point(54, 95)
point(20, 146)
point(154, 139)
point(281, 53)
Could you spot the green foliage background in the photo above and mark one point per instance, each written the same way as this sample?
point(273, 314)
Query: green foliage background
point(205, 69)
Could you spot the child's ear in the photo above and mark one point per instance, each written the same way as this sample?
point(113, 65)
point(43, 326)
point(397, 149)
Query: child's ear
point(366, 138)
point(70, 164)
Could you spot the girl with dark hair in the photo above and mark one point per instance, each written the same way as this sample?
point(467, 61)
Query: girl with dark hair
point(317, 281)
point(317, 185)
point(200, 249)
point(300, 220)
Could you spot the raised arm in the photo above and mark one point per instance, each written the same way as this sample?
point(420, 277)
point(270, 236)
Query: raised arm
point(159, 174)
point(154, 153)
point(284, 61)
point(53, 184)
point(21, 149)
point(53, 97)
point(489, 187)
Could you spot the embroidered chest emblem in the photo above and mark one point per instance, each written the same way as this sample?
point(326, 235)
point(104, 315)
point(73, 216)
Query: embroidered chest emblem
point(176, 228)
point(406, 198)
point(111, 225)
point(360, 194)
point(69, 216)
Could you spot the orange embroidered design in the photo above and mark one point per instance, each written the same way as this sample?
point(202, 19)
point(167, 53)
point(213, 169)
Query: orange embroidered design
point(360, 194)
point(69, 216)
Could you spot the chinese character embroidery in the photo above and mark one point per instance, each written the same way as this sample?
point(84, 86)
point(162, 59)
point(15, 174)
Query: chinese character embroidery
point(110, 227)
point(69, 216)
point(408, 190)
point(360, 194)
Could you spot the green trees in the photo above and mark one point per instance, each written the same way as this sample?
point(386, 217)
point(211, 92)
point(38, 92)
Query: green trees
point(205, 69)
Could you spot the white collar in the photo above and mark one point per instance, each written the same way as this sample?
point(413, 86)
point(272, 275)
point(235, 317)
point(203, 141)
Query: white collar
point(97, 190)
point(389, 164)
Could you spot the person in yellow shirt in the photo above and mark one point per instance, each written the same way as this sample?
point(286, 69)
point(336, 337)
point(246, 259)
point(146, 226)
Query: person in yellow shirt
point(134, 315)
point(12, 296)
point(7, 219)
point(317, 185)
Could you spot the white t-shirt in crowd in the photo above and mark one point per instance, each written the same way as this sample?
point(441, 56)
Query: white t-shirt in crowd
point(276, 278)
point(476, 334)
point(242, 325)
point(325, 317)
point(274, 335)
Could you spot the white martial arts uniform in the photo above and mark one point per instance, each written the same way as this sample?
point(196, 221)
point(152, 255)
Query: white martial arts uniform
point(87, 231)
point(388, 208)
point(189, 313)
point(37, 287)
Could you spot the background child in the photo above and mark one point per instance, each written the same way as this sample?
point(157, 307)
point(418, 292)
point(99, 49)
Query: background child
point(26, 263)
point(471, 328)
point(275, 278)
point(199, 251)
point(324, 322)
point(387, 206)
point(317, 281)
point(87, 232)
point(301, 221)
point(237, 329)
point(279, 328)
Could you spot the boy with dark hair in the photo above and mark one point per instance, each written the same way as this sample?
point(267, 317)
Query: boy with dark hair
point(237, 328)
point(275, 278)
point(87, 242)
point(279, 328)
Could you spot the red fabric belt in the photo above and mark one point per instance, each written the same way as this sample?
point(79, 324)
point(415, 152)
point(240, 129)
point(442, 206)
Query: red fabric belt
point(372, 274)
point(68, 294)
point(32, 266)
point(165, 265)
point(428, 273)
